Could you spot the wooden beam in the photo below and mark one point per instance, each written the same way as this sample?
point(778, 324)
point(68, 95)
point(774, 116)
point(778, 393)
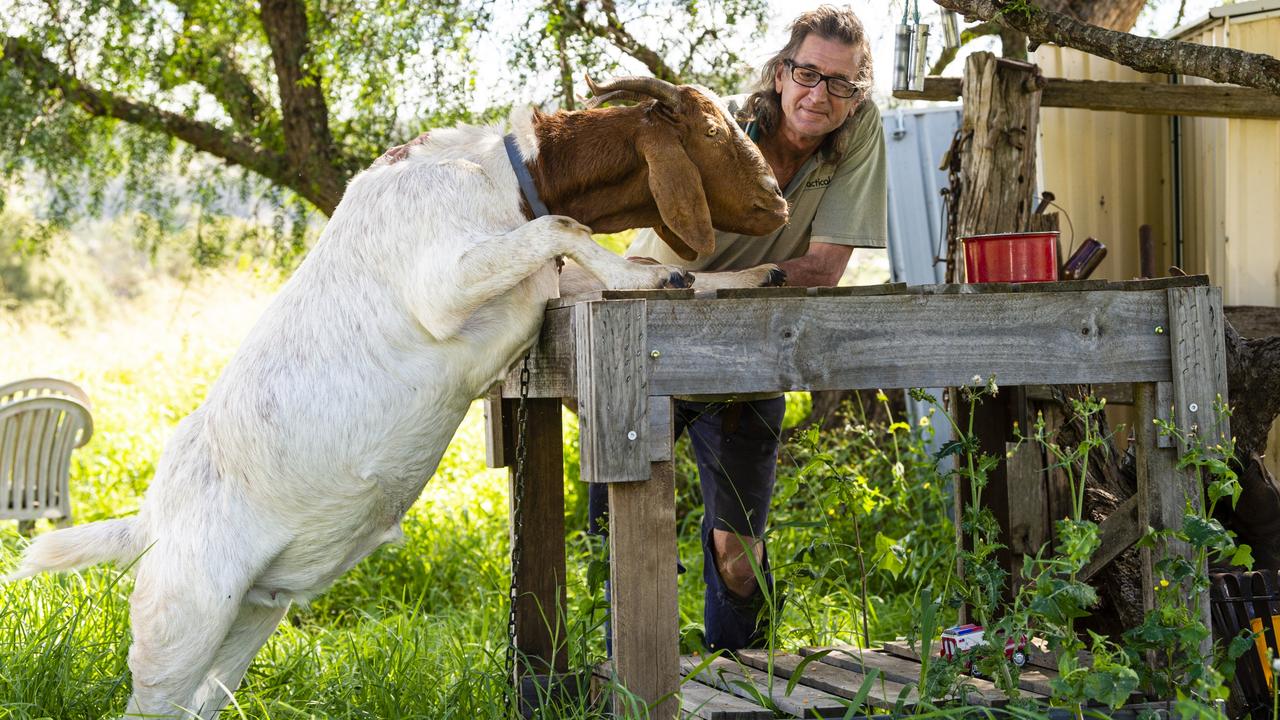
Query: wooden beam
point(1227, 101)
point(837, 343)
point(1118, 533)
point(612, 390)
point(642, 571)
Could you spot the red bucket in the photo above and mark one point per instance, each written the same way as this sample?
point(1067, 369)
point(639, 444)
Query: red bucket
point(1011, 257)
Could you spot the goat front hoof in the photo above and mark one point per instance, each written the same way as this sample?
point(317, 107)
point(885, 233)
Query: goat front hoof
point(679, 279)
point(776, 277)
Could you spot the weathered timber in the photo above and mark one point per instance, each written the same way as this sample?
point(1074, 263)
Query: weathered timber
point(837, 343)
point(1030, 679)
point(1000, 121)
point(844, 682)
point(1253, 321)
point(660, 293)
point(1225, 101)
point(613, 390)
point(1118, 533)
point(1028, 507)
point(540, 607)
point(1198, 347)
point(901, 670)
point(703, 701)
point(858, 290)
point(730, 676)
point(642, 573)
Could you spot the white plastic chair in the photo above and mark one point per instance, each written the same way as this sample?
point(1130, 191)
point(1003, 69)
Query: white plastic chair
point(40, 387)
point(37, 435)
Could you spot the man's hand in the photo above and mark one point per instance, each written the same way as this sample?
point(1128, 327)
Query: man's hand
point(822, 266)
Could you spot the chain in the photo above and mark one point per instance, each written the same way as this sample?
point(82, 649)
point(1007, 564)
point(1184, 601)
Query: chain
point(517, 527)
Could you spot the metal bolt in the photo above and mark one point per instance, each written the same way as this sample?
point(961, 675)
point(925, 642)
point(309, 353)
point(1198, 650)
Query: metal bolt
point(631, 435)
point(1193, 407)
point(655, 354)
point(1159, 329)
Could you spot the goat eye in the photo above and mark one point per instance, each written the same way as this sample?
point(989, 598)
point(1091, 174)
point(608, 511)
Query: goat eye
point(711, 131)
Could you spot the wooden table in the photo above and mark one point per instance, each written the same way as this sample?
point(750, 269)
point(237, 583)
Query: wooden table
point(623, 355)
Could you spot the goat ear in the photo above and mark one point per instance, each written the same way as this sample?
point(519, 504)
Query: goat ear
point(674, 242)
point(677, 189)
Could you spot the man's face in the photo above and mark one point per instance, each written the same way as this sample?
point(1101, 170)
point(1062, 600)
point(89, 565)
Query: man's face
point(811, 113)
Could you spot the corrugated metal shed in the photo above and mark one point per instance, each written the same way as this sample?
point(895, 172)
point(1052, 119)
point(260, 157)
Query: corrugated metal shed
point(1109, 171)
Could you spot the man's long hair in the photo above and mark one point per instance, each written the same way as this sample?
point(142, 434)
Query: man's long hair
point(764, 106)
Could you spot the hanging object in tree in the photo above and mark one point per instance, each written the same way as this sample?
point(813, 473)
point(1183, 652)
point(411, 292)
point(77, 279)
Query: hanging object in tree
point(950, 29)
point(903, 55)
point(920, 66)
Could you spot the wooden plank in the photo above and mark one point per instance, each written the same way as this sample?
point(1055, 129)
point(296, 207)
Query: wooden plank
point(661, 429)
point(803, 702)
point(552, 359)
point(832, 343)
point(1028, 501)
point(497, 430)
point(654, 294)
point(1031, 679)
point(541, 603)
point(835, 679)
point(1062, 286)
point(702, 701)
point(907, 341)
point(760, 292)
point(1118, 533)
point(859, 290)
point(1199, 357)
point(900, 670)
point(613, 390)
point(1138, 98)
point(1253, 321)
point(642, 571)
point(698, 700)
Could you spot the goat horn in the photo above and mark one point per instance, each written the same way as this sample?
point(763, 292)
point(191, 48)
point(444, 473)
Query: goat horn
point(663, 91)
point(597, 100)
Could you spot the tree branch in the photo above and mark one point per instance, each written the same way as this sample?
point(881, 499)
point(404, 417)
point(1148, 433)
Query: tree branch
point(615, 32)
point(28, 59)
point(966, 36)
point(309, 146)
point(1149, 55)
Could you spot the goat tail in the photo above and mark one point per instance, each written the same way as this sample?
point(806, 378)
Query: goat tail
point(76, 547)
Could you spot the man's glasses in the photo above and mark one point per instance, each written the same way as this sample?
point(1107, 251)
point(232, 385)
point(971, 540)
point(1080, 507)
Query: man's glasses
point(808, 77)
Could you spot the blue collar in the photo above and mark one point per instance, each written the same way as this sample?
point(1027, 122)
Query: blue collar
point(524, 178)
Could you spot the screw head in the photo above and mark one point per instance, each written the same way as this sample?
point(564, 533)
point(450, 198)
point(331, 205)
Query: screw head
point(1193, 407)
point(1159, 329)
point(631, 435)
point(655, 354)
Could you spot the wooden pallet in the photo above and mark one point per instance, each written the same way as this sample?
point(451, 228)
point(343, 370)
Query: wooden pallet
point(733, 688)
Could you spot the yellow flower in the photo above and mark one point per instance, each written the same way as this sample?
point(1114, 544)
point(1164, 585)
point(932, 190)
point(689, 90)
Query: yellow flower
point(924, 421)
point(926, 486)
point(899, 426)
point(1164, 583)
point(881, 397)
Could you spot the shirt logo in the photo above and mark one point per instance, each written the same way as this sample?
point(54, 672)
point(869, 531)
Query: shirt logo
point(818, 183)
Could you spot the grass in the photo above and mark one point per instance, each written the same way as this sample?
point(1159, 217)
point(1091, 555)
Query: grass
point(416, 630)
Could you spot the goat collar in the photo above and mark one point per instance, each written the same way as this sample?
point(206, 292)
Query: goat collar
point(523, 177)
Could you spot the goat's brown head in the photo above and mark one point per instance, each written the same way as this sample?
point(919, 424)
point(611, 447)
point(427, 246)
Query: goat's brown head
point(703, 171)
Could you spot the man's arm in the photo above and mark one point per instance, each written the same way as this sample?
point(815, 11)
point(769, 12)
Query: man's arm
point(822, 266)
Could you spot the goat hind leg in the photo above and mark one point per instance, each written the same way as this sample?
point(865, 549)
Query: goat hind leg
point(249, 632)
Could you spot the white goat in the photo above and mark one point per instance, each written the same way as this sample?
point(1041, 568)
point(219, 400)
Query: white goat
point(428, 282)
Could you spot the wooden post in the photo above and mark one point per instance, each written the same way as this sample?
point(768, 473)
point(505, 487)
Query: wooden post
point(1000, 120)
point(542, 603)
point(642, 571)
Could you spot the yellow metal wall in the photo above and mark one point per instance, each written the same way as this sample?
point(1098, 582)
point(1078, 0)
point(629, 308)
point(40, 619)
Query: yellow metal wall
point(1109, 170)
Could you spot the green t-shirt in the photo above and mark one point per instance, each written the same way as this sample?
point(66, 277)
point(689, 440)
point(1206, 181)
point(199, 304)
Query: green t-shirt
point(843, 204)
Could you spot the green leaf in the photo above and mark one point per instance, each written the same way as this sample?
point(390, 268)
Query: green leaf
point(799, 671)
point(1112, 686)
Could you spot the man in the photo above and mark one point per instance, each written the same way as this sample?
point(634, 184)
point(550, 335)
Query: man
point(823, 139)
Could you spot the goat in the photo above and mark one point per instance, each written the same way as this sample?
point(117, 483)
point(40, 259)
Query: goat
point(428, 282)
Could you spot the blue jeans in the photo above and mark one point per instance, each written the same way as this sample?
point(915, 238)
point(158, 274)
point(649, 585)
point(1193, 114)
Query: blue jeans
point(736, 449)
